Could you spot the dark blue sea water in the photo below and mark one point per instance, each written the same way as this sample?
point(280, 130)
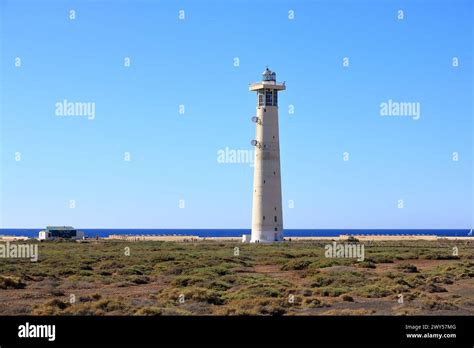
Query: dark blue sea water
point(239, 232)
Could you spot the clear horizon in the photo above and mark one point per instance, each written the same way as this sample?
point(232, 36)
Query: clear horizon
point(182, 101)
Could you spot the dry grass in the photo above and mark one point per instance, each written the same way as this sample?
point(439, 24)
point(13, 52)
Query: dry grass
point(206, 278)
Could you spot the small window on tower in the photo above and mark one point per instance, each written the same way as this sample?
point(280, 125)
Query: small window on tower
point(260, 98)
point(268, 97)
point(263, 217)
point(275, 219)
point(275, 98)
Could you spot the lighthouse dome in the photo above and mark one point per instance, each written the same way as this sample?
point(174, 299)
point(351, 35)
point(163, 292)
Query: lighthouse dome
point(268, 75)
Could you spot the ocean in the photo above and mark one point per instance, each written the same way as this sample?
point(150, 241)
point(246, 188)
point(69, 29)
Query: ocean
point(33, 232)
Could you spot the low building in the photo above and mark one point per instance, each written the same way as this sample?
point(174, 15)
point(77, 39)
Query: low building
point(12, 238)
point(246, 238)
point(65, 232)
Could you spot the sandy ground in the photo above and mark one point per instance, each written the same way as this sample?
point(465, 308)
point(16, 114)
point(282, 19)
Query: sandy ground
point(190, 238)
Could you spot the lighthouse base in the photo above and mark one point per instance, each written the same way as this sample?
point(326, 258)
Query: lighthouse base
point(266, 237)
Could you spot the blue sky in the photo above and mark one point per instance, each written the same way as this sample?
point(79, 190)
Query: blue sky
point(190, 62)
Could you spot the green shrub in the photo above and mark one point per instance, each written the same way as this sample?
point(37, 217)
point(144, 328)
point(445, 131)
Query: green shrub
point(382, 259)
point(347, 298)
point(407, 268)
point(296, 265)
point(149, 311)
point(205, 295)
point(321, 280)
point(57, 292)
point(140, 280)
point(185, 280)
point(58, 304)
point(11, 283)
point(219, 285)
point(366, 264)
point(332, 292)
point(374, 291)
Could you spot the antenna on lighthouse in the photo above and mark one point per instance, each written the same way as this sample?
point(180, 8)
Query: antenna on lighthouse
point(255, 119)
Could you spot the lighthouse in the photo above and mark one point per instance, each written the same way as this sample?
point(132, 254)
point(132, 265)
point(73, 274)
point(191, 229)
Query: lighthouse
point(267, 216)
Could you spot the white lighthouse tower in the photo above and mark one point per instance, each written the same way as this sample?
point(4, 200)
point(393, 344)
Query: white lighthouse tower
point(267, 217)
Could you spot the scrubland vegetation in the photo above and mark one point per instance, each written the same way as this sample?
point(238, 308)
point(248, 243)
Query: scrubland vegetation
point(214, 278)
